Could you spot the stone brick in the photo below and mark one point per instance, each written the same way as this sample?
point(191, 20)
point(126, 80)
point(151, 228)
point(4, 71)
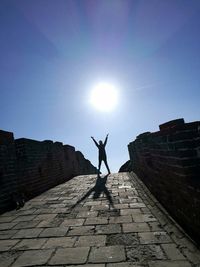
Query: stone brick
point(27, 233)
point(24, 218)
point(107, 254)
point(124, 264)
point(72, 222)
point(120, 219)
point(87, 265)
point(168, 161)
point(6, 258)
point(33, 258)
point(58, 242)
point(108, 229)
point(135, 227)
point(154, 238)
point(128, 239)
point(172, 252)
point(97, 241)
point(70, 256)
point(169, 264)
point(6, 234)
point(27, 244)
point(97, 220)
point(87, 214)
point(129, 211)
point(57, 231)
point(7, 244)
point(26, 224)
point(6, 226)
point(81, 230)
point(144, 253)
point(143, 218)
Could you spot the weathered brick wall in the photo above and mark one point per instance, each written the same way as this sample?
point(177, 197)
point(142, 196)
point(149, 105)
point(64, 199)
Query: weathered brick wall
point(32, 167)
point(168, 161)
point(8, 178)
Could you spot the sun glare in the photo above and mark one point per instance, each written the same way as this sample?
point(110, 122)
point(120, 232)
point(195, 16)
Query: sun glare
point(104, 97)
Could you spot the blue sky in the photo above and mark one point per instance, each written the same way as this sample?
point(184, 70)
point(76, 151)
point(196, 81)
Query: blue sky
point(52, 52)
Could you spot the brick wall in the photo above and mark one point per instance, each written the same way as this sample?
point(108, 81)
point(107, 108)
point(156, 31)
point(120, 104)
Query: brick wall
point(31, 167)
point(8, 178)
point(168, 161)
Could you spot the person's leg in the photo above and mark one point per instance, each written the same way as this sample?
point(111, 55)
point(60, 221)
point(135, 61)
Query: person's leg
point(99, 167)
point(105, 161)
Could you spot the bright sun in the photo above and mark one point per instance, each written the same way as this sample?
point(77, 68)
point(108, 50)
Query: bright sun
point(104, 97)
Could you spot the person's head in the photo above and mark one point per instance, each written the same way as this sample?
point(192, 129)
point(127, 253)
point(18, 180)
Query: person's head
point(100, 142)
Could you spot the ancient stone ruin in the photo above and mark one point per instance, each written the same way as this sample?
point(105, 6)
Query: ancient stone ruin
point(168, 162)
point(29, 167)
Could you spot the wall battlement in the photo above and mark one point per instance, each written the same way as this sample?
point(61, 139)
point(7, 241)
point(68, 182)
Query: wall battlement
point(168, 162)
point(30, 167)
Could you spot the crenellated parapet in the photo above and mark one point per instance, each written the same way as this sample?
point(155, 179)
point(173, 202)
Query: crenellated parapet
point(29, 167)
point(168, 161)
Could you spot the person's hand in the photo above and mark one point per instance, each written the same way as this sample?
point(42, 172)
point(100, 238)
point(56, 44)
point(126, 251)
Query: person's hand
point(92, 137)
point(107, 135)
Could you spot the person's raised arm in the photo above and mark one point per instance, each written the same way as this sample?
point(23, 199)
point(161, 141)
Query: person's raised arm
point(95, 141)
point(105, 142)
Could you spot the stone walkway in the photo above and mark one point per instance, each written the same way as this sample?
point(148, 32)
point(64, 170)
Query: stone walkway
point(123, 226)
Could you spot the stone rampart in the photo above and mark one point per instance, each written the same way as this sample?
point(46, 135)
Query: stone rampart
point(168, 162)
point(29, 167)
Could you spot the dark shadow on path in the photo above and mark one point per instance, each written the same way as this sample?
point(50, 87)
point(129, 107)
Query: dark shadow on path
point(98, 189)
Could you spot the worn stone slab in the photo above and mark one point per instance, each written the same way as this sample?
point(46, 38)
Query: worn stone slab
point(154, 238)
point(169, 264)
point(120, 219)
point(121, 206)
point(172, 252)
point(60, 227)
point(7, 219)
point(96, 220)
point(6, 258)
point(57, 242)
point(70, 255)
point(87, 214)
point(128, 239)
point(135, 227)
point(7, 226)
point(130, 211)
point(27, 233)
point(107, 254)
point(143, 218)
point(26, 224)
point(45, 217)
point(32, 243)
point(124, 264)
point(24, 218)
point(7, 244)
point(54, 231)
point(81, 230)
point(144, 253)
point(155, 226)
point(56, 222)
point(72, 222)
point(85, 241)
point(100, 207)
point(108, 229)
point(33, 257)
point(6, 234)
point(137, 205)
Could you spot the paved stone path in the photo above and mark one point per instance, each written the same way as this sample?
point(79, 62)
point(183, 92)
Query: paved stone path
point(122, 226)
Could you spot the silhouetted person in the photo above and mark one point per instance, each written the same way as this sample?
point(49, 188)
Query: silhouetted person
point(102, 152)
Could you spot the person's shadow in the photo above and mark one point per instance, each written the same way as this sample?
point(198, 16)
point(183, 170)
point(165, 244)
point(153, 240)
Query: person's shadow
point(98, 189)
